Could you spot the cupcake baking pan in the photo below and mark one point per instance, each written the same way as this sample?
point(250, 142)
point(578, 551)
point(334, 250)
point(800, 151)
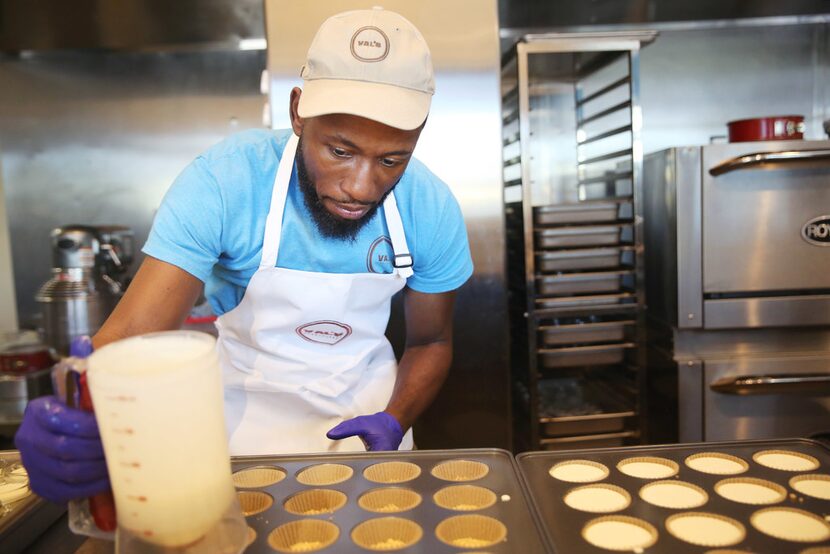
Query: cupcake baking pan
point(420, 501)
point(750, 496)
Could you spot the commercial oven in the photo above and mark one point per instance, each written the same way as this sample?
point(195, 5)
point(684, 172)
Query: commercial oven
point(737, 240)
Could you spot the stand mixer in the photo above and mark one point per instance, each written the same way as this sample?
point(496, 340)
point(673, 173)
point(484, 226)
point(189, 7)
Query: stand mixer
point(88, 279)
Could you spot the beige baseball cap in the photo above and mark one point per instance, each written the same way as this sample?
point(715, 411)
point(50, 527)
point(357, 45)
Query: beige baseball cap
point(370, 63)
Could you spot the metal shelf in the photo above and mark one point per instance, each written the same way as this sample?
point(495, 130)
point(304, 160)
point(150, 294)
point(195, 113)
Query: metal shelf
point(574, 264)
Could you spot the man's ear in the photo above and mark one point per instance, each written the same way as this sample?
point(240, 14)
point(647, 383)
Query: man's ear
point(297, 122)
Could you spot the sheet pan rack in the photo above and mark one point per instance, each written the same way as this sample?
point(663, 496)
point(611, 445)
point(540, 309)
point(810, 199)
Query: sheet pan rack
point(572, 174)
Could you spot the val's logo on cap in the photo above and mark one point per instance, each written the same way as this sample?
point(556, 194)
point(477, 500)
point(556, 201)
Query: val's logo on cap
point(324, 332)
point(370, 44)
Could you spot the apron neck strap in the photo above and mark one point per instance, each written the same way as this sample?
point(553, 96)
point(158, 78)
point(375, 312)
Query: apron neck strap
point(273, 223)
point(402, 259)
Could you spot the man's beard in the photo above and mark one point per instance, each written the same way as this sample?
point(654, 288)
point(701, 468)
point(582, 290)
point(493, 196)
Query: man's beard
point(329, 225)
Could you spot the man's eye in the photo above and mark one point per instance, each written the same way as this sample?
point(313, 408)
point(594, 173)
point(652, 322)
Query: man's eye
point(388, 162)
point(339, 152)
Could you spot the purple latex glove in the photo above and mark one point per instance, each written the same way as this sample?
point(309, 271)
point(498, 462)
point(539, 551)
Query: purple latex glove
point(62, 451)
point(380, 431)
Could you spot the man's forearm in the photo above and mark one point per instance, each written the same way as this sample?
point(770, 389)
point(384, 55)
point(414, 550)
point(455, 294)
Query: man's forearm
point(421, 373)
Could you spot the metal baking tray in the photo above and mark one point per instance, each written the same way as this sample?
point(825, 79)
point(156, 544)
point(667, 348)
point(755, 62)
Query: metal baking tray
point(584, 258)
point(599, 211)
point(586, 302)
point(564, 524)
point(584, 333)
point(605, 440)
point(23, 521)
point(568, 284)
point(571, 406)
point(512, 507)
point(574, 356)
point(581, 236)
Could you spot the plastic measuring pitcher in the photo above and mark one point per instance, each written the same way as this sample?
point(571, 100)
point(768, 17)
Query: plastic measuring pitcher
point(158, 402)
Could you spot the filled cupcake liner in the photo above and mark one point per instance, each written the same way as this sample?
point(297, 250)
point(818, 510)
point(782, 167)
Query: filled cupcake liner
point(325, 474)
point(257, 477)
point(464, 498)
point(579, 471)
point(738, 465)
point(607, 528)
point(315, 501)
point(471, 531)
point(460, 470)
point(708, 537)
point(800, 484)
point(796, 527)
point(786, 460)
point(696, 496)
point(389, 500)
point(648, 467)
point(254, 502)
point(582, 499)
point(773, 492)
point(387, 534)
point(304, 535)
point(392, 472)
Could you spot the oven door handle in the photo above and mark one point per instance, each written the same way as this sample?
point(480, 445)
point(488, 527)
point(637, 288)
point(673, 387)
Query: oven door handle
point(758, 158)
point(810, 383)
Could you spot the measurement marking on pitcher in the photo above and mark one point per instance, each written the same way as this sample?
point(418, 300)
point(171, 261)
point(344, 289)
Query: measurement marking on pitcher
point(124, 431)
point(131, 465)
point(137, 498)
point(121, 398)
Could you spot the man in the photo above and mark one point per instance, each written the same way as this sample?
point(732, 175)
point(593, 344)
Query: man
point(301, 238)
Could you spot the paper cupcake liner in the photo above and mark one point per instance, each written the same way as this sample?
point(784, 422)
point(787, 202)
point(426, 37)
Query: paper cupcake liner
point(304, 535)
point(460, 470)
point(691, 496)
point(389, 500)
point(254, 502)
point(392, 472)
point(708, 537)
point(387, 533)
point(786, 460)
point(257, 477)
point(314, 502)
point(325, 474)
point(648, 467)
point(772, 492)
point(816, 485)
point(817, 550)
point(579, 471)
point(620, 533)
point(471, 531)
point(792, 524)
point(732, 465)
point(251, 537)
point(464, 498)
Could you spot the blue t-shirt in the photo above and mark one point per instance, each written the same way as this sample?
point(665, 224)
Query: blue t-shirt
point(212, 220)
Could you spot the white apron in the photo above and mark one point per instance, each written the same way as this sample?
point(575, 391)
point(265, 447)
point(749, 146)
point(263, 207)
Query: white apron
point(303, 350)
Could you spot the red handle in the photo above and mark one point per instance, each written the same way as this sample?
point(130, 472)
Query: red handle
point(102, 505)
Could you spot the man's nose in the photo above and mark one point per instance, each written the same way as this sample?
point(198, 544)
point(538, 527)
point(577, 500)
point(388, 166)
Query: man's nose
point(361, 184)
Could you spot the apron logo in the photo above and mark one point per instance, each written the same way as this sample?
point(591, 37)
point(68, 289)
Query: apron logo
point(324, 332)
point(379, 258)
